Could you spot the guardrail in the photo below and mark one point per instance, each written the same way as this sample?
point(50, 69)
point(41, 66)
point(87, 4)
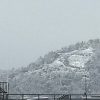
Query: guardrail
point(52, 97)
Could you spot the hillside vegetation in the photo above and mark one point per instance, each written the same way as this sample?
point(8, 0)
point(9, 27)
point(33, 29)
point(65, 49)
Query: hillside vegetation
point(61, 71)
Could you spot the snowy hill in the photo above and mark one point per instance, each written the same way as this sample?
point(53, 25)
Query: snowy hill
point(61, 71)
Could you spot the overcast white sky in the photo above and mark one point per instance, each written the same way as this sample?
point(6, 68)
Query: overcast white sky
point(31, 28)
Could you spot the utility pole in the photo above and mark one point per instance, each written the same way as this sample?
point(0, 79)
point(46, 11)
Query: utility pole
point(85, 86)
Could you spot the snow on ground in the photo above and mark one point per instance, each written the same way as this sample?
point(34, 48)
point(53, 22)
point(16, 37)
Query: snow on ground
point(80, 59)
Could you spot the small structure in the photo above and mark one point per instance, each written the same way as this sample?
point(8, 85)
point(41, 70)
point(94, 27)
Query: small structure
point(3, 90)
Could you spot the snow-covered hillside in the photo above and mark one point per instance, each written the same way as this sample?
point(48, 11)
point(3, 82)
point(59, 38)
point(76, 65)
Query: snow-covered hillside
point(61, 71)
